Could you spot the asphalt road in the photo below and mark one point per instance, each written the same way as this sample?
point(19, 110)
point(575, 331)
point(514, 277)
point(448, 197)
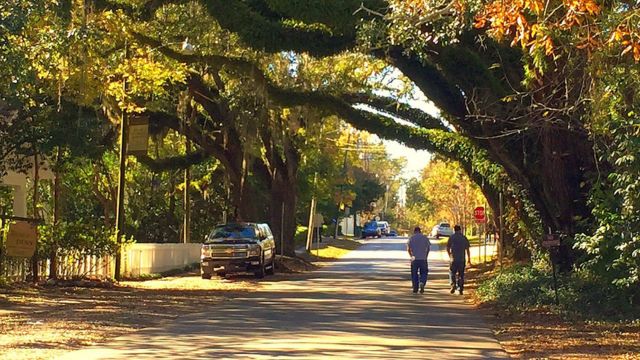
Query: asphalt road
point(360, 307)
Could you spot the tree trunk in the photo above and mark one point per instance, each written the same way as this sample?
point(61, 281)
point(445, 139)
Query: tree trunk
point(283, 191)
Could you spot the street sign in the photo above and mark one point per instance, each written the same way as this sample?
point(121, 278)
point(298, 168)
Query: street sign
point(21, 239)
point(318, 220)
point(550, 240)
point(138, 135)
point(479, 214)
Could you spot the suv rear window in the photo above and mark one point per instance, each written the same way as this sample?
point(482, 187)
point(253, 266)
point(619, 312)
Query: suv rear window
point(444, 225)
point(234, 231)
point(371, 225)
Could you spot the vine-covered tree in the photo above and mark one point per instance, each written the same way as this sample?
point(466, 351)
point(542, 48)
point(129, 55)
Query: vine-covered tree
point(520, 114)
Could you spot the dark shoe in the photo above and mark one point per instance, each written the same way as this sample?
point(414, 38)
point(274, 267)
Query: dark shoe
point(460, 291)
point(415, 291)
point(421, 288)
point(453, 289)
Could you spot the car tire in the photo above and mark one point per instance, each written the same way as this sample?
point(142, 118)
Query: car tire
point(205, 276)
point(272, 269)
point(221, 274)
point(259, 274)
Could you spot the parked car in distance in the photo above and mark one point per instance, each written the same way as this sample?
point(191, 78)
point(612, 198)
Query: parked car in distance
point(441, 229)
point(393, 233)
point(384, 227)
point(238, 247)
point(371, 229)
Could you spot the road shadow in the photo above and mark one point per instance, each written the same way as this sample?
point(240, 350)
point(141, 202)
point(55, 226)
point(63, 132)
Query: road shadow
point(360, 307)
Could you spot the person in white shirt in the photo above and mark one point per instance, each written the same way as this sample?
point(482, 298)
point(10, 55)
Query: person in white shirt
point(418, 248)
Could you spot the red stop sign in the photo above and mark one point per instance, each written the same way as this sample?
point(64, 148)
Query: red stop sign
point(478, 214)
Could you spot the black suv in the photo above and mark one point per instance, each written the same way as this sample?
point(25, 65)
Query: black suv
point(238, 247)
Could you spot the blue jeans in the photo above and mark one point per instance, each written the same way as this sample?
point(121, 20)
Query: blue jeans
point(421, 267)
point(456, 274)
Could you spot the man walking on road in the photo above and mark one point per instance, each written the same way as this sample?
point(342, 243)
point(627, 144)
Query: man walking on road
point(418, 247)
point(457, 245)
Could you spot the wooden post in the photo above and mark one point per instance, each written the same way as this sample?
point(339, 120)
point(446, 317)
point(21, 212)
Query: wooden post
point(53, 261)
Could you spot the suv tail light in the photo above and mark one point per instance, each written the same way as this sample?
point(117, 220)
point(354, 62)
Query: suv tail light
point(205, 251)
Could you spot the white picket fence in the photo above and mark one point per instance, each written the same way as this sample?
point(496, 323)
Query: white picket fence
point(137, 259)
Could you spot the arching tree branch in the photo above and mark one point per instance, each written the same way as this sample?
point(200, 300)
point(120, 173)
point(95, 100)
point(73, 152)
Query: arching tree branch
point(174, 162)
point(395, 108)
point(435, 86)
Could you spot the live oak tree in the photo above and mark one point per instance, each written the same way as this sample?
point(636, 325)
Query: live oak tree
point(514, 120)
point(515, 116)
point(279, 29)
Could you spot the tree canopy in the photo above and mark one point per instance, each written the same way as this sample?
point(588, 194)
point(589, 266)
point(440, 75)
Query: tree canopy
point(536, 101)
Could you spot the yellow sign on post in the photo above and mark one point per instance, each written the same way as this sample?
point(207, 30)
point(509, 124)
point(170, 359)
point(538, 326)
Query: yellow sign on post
point(21, 240)
point(138, 141)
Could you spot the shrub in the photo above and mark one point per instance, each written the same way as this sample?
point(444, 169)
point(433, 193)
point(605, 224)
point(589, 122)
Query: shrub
point(517, 288)
point(526, 287)
point(300, 238)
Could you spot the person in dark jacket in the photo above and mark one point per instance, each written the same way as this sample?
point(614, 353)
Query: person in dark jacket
point(457, 246)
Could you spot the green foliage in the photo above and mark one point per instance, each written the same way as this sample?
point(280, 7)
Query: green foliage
point(79, 237)
point(518, 288)
point(144, 277)
point(613, 249)
point(415, 193)
point(300, 238)
point(451, 192)
point(525, 287)
point(416, 29)
point(367, 189)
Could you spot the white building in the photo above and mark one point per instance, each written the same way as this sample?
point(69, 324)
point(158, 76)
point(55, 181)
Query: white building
point(18, 182)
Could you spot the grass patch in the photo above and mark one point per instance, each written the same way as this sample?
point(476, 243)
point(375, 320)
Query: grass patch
point(442, 241)
point(300, 238)
point(334, 248)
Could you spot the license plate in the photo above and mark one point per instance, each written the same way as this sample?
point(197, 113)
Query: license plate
point(204, 263)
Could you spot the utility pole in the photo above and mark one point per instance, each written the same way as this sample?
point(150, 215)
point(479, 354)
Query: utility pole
point(282, 229)
point(312, 210)
point(36, 181)
point(121, 175)
point(344, 171)
point(386, 198)
point(484, 225)
point(501, 239)
point(314, 202)
point(186, 231)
